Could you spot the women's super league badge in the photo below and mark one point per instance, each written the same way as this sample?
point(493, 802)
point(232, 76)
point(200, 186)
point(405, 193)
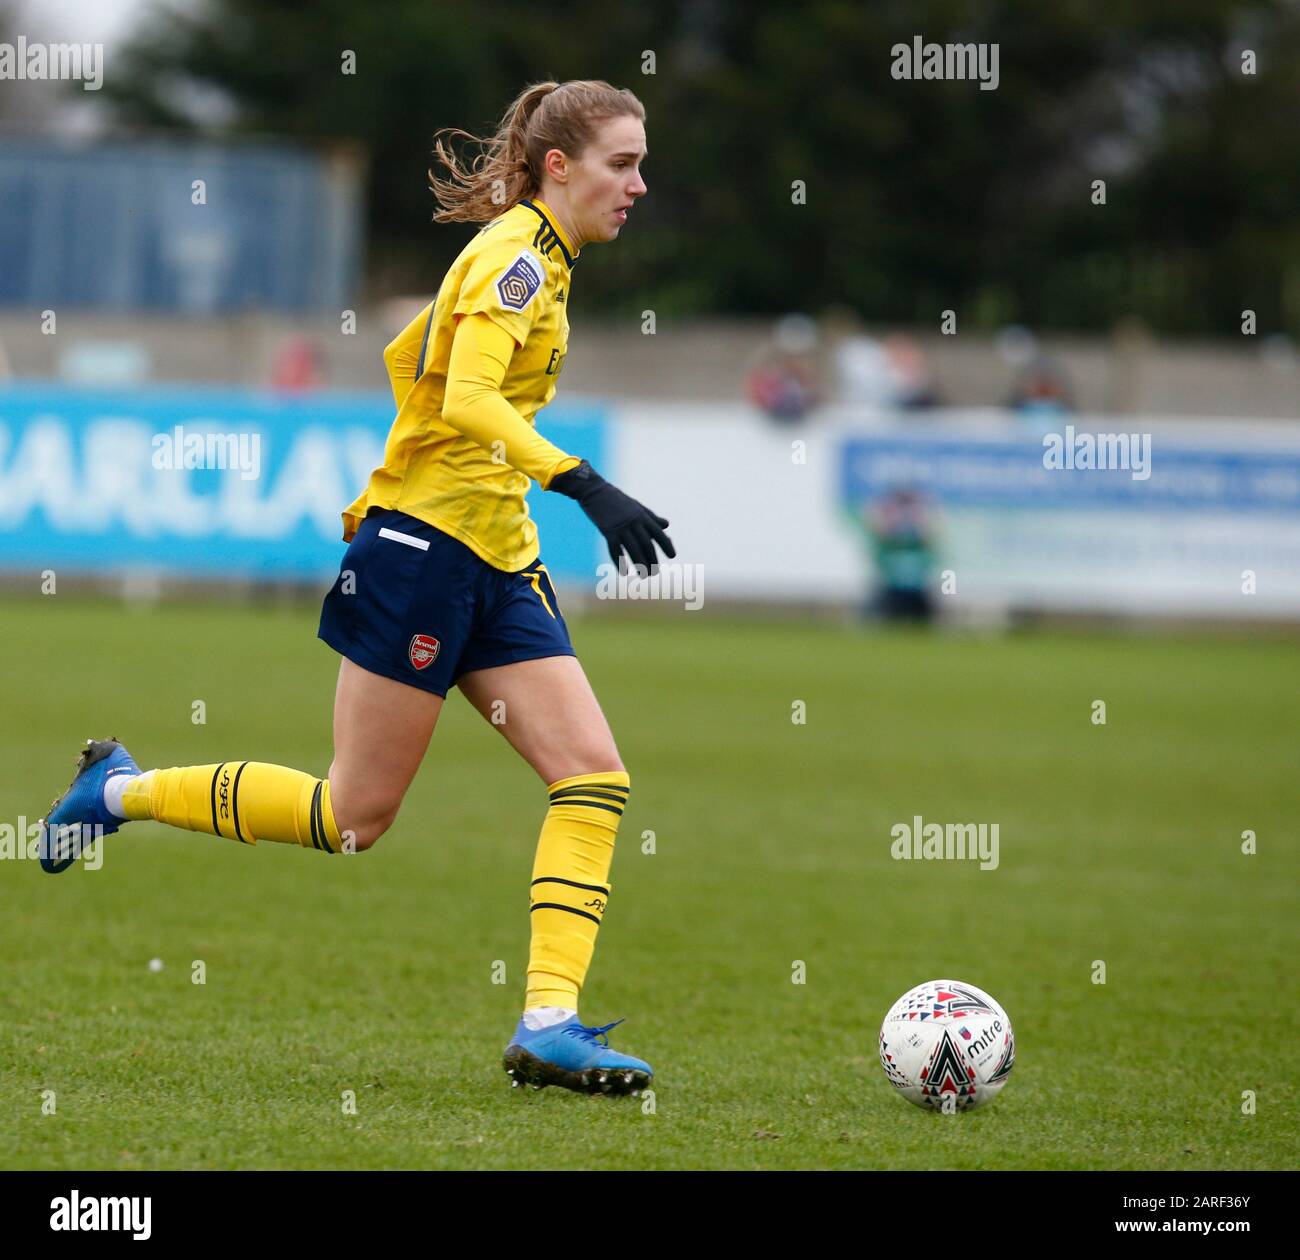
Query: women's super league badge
point(518, 284)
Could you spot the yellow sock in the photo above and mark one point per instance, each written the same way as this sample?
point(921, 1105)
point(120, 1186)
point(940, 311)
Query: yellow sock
point(570, 886)
point(241, 800)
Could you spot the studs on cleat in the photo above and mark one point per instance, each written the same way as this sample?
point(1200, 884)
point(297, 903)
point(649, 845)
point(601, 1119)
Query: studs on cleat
point(526, 1069)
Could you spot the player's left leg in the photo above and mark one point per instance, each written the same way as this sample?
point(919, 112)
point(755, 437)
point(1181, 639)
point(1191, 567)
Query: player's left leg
point(239, 800)
point(548, 712)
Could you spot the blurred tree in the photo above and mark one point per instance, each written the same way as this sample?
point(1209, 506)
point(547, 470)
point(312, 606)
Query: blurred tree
point(920, 195)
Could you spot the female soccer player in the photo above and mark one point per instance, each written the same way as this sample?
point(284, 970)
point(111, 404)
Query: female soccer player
point(442, 583)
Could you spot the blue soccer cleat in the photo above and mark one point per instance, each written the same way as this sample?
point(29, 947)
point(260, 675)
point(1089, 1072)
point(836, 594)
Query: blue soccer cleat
point(575, 1057)
point(78, 816)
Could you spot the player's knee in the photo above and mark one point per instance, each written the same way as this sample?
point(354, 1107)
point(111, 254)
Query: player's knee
point(599, 757)
point(362, 816)
point(365, 834)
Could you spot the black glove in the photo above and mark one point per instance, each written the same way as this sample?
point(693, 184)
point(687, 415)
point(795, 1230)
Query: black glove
point(626, 524)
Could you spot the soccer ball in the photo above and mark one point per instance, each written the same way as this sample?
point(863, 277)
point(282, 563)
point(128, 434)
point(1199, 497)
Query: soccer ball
point(947, 1045)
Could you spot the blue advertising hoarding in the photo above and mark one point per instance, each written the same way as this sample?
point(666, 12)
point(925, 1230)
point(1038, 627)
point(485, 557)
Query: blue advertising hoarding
point(1119, 514)
point(81, 489)
point(1169, 475)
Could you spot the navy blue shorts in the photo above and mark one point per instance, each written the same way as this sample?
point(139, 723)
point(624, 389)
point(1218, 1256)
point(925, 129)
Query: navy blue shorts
point(417, 605)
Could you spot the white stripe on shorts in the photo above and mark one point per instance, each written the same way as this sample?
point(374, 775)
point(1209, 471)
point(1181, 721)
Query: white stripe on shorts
point(409, 539)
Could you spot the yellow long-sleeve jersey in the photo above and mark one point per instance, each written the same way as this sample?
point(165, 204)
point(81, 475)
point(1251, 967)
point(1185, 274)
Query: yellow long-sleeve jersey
point(469, 375)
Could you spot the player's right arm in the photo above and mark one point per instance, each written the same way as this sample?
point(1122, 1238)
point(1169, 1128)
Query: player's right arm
point(474, 405)
point(488, 329)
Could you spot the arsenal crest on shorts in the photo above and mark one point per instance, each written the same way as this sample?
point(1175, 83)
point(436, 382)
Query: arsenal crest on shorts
point(423, 650)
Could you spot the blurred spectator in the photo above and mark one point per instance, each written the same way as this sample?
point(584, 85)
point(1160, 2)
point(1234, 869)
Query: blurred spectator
point(1278, 353)
point(901, 531)
point(893, 373)
point(1041, 391)
point(784, 383)
point(297, 366)
point(1017, 345)
point(913, 382)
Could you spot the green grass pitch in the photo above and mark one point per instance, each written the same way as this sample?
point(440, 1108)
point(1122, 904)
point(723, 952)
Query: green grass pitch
point(375, 973)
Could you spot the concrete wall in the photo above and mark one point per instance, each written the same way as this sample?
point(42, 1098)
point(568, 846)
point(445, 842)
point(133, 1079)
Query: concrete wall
point(702, 361)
